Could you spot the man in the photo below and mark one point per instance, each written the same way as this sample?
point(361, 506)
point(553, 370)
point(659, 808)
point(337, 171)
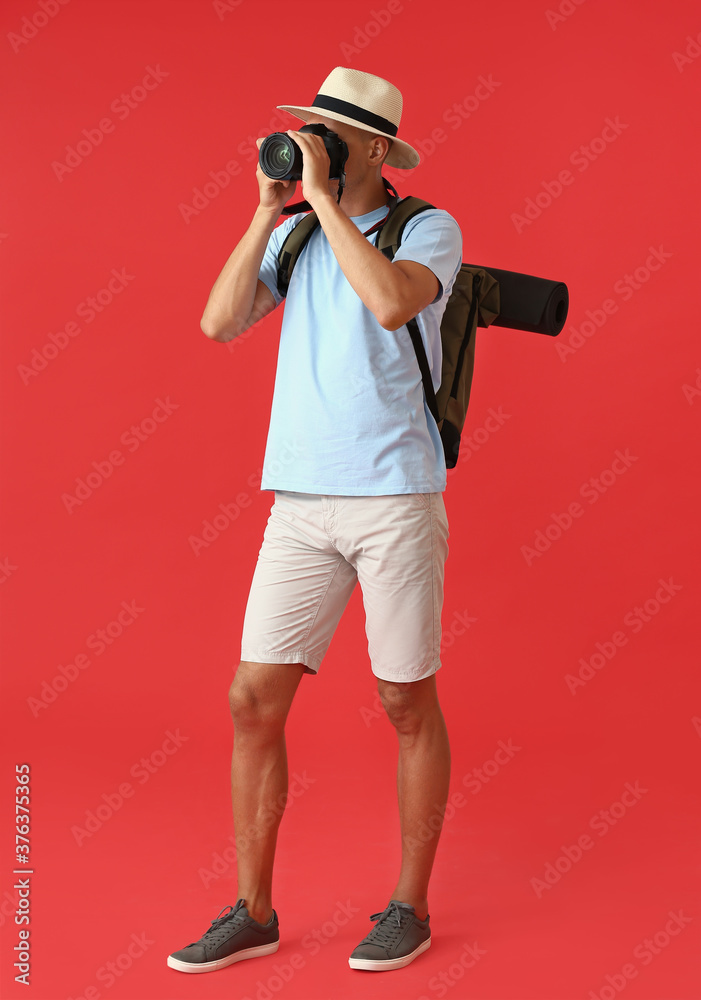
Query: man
point(361, 501)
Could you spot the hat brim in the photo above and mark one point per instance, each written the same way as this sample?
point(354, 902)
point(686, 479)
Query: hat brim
point(401, 154)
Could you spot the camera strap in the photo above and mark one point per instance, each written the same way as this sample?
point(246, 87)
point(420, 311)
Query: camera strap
point(395, 198)
point(304, 206)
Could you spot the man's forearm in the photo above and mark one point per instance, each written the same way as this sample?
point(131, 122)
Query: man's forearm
point(231, 298)
point(377, 282)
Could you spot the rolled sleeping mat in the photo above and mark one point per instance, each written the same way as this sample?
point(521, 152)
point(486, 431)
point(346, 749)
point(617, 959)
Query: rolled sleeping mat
point(529, 303)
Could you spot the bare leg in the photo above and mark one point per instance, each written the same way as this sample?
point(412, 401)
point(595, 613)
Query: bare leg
point(423, 779)
point(260, 697)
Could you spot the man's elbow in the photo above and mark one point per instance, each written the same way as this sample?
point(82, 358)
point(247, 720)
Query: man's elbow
point(412, 293)
point(216, 331)
point(208, 330)
point(395, 318)
point(397, 311)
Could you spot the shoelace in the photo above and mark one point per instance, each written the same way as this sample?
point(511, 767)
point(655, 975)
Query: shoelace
point(221, 925)
point(386, 930)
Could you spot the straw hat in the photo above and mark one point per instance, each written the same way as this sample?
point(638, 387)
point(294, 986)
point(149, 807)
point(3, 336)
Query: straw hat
point(366, 101)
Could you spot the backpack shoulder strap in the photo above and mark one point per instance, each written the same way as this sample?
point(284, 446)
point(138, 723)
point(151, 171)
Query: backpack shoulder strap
point(390, 236)
point(388, 241)
point(294, 243)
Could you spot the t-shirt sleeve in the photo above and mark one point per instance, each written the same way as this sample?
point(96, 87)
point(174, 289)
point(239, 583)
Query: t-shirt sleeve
point(433, 238)
point(268, 269)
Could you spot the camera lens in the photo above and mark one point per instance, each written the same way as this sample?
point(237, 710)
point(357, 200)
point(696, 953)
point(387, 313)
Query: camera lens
point(278, 156)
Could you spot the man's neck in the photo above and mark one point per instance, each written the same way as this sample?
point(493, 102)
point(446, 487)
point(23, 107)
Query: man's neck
point(355, 203)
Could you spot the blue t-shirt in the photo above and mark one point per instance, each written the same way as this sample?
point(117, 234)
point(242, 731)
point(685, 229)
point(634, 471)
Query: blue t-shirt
point(349, 416)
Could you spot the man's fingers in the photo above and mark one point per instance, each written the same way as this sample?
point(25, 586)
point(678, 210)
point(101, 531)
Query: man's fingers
point(307, 137)
point(310, 144)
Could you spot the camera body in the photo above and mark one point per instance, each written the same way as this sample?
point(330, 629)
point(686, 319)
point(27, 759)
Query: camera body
point(280, 157)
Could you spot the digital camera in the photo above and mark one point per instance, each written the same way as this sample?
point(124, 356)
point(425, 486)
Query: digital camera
point(280, 157)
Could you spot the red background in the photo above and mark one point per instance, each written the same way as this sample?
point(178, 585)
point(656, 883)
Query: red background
point(630, 385)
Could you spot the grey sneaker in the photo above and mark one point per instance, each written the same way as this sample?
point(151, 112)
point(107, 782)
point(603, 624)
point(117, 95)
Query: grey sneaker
point(397, 939)
point(230, 939)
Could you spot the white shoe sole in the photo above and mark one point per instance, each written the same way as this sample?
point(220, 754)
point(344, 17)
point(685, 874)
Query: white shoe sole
point(375, 965)
point(221, 963)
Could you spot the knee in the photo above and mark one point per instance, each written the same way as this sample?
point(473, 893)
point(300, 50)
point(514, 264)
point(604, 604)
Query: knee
point(411, 705)
point(402, 710)
point(250, 709)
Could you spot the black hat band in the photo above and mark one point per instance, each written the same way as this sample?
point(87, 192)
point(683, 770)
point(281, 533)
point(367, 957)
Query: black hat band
point(353, 111)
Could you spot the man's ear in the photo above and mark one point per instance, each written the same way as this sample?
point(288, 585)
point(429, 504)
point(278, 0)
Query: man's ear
point(380, 148)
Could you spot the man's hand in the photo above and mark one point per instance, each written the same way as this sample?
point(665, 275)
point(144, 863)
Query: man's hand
point(273, 194)
point(315, 166)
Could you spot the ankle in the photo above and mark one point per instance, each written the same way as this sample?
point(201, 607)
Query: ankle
point(420, 905)
point(260, 910)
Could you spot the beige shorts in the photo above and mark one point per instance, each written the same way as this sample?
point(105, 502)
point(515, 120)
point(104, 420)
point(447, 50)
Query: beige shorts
point(317, 547)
